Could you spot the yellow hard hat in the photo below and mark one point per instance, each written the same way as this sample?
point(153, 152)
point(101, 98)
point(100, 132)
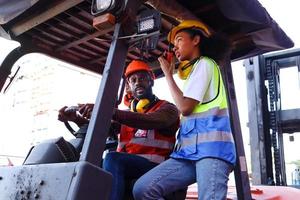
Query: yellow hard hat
point(188, 24)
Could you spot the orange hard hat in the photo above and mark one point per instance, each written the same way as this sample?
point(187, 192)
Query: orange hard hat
point(138, 65)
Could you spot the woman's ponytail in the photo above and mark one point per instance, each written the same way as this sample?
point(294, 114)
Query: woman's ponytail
point(216, 47)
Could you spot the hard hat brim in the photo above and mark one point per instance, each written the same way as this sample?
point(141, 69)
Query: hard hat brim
point(186, 25)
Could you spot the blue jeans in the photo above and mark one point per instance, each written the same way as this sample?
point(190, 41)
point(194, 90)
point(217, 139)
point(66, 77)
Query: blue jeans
point(125, 167)
point(211, 175)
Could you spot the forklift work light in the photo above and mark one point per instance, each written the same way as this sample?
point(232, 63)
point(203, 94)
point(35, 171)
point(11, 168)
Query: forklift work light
point(106, 6)
point(146, 25)
point(149, 21)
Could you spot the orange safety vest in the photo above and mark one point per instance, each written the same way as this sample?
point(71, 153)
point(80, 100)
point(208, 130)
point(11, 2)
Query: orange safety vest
point(149, 144)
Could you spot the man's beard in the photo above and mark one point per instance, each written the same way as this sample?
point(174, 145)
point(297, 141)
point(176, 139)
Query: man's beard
point(146, 95)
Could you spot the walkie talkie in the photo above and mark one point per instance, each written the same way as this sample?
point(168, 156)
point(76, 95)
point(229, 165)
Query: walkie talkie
point(169, 54)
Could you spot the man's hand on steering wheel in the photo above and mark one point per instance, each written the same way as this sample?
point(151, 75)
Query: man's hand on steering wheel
point(86, 110)
point(72, 114)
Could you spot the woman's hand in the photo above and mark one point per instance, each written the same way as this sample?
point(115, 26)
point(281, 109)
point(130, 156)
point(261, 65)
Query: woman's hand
point(167, 68)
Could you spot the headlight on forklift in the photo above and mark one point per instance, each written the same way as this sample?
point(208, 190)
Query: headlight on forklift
point(146, 25)
point(100, 7)
point(149, 21)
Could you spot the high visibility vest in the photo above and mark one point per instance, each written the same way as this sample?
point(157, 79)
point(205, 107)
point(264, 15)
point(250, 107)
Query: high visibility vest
point(150, 144)
point(207, 132)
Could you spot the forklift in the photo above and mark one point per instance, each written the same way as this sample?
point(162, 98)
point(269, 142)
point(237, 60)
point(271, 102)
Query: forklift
point(102, 36)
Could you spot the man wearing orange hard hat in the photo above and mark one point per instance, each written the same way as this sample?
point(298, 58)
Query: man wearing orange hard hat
point(147, 133)
point(138, 66)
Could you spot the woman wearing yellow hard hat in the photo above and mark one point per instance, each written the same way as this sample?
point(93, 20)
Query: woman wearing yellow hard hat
point(205, 150)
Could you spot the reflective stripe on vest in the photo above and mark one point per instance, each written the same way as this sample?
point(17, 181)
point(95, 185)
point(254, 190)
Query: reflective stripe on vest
point(207, 132)
point(213, 111)
point(217, 136)
point(151, 141)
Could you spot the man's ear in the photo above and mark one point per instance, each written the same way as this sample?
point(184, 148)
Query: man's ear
point(151, 82)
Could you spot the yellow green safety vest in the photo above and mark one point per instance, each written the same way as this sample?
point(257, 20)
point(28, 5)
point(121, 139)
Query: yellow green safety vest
point(207, 132)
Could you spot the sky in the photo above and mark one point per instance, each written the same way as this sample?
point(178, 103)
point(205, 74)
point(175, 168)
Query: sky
point(285, 13)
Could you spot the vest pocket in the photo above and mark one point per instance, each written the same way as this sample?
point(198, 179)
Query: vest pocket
point(187, 126)
point(187, 144)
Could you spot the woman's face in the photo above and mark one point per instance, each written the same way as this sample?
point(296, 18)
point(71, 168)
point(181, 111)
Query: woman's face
point(185, 47)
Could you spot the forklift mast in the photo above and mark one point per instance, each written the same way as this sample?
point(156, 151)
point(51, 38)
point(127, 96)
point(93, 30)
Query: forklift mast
point(267, 120)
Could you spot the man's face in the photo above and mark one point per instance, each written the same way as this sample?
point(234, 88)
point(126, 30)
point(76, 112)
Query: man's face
point(140, 83)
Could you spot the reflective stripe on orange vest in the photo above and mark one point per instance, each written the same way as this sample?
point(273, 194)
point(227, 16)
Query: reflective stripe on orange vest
point(152, 142)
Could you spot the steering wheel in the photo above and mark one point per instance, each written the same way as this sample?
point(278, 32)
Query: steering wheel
point(71, 109)
point(69, 127)
point(111, 141)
